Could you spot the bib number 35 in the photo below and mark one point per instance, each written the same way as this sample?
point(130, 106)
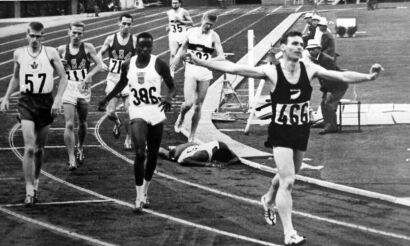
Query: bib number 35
point(292, 114)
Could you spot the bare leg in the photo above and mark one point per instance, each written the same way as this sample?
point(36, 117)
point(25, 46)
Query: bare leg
point(202, 88)
point(82, 111)
point(69, 136)
point(190, 88)
point(41, 139)
point(28, 158)
point(127, 142)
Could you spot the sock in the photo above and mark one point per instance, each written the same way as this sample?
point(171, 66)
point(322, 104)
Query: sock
point(145, 187)
point(139, 192)
point(29, 189)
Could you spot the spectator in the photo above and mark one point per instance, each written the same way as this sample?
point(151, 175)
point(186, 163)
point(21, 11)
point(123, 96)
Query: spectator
point(333, 91)
point(327, 40)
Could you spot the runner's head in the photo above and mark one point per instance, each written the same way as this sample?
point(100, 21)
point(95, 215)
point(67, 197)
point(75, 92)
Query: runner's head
point(35, 33)
point(125, 23)
point(145, 43)
point(175, 4)
point(208, 22)
point(291, 44)
point(75, 32)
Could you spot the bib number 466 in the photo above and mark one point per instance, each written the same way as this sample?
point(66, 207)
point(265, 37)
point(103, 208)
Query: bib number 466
point(292, 114)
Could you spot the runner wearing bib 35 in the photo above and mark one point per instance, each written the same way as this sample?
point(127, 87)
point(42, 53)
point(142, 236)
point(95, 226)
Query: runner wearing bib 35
point(179, 21)
point(120, 48)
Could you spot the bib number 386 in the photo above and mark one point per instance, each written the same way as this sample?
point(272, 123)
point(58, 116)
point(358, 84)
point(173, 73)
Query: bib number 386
point(145, 96)
point(292, 114)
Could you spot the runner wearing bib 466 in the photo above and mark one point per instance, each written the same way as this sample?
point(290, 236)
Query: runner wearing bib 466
point(201, 42)
point(179, 21)
point(120, 48)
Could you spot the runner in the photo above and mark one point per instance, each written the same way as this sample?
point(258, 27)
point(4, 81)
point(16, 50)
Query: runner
point(202, 42)
point(211, 154)
point(288, 132)
point(34, 66)
point(179, 22)
point(76, 57)
point(144, 74)
point(120, 47)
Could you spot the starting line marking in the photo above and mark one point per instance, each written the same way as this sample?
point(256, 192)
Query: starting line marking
point(56, 203)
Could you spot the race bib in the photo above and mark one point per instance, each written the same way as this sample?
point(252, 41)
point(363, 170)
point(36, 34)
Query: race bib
point(114, 65)
point(76, 75)
point(292, 114)
point(201, 54)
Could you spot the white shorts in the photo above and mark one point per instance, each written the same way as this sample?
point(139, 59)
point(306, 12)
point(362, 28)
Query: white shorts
point(74, 94)
point(112, 80)
point(151, 114)
point(177, 37)
point(198, 73)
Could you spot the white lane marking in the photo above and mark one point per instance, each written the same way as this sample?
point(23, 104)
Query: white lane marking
point(54, 228)
point(240, 198)
point(56, 203)
point(53, 147)
point(184, 222)
point(2, 179)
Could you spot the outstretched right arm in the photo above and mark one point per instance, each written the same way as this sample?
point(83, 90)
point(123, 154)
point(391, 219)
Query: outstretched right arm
point(107, 43)
point(14, 83)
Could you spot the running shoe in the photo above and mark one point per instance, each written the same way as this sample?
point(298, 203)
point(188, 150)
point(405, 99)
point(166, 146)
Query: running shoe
point(71, 166)
point(79, 157)
point(269, 212)
point(145, 202)
point(295, 240)
point(35, 196)
point(127, 146)
point(116, 130)
point(29, 201)
point(138, 206)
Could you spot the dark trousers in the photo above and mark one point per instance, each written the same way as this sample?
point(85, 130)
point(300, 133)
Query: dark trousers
point(328, 105)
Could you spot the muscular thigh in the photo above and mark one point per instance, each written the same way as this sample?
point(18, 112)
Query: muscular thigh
point(202, 90)
point(190, 89)
point(139, 131)
point(82, 111)
point(69, 112)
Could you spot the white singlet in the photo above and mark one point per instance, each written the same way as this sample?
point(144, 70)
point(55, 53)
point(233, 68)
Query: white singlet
point(177, 30)
point(201, 45)
point(36, 72)
point(191, 150)
point(145, 92)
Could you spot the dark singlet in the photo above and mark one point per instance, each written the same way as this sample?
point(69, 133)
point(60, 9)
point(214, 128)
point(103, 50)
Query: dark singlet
point(78, 65)
point(290, 125)
point(291, 102)
point(119, 53)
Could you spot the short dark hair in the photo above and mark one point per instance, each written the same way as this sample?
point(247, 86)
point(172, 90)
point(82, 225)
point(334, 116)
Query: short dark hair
point(144, 35)
point(76, 24)
point(126, 16)
point(210, 16)
point(35, 26)
point(284, 38)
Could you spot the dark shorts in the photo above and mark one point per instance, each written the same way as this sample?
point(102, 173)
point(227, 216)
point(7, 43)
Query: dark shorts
point(36, 108)
point(294, 137)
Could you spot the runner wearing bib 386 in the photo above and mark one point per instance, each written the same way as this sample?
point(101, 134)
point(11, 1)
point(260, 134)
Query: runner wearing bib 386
point(120, 48)
point(179, 21)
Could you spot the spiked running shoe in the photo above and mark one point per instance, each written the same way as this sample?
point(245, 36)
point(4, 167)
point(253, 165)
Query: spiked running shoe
point(29, 201)
point(79, 157)
point(269, 212)
point(138, 206)
point(127, 146)
point(295, 240)
point(146, 202)
point(116, 130)
point(71, 166)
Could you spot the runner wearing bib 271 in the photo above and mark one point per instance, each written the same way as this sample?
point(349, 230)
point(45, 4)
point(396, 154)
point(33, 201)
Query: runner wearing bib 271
point(120, 48)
